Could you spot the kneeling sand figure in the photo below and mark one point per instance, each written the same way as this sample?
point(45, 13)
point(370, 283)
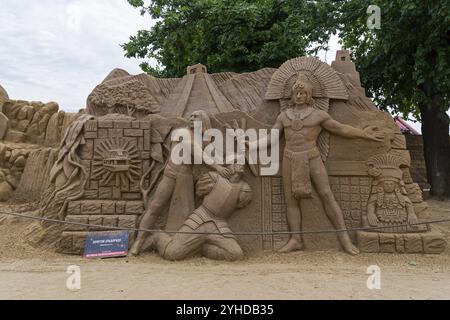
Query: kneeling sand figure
point(167, 186)
point(221, 198)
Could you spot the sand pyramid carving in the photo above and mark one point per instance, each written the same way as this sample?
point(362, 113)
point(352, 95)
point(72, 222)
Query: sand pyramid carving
point(196, 91)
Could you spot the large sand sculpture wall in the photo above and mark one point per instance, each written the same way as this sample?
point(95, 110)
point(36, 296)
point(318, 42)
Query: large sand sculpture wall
point(117, 150)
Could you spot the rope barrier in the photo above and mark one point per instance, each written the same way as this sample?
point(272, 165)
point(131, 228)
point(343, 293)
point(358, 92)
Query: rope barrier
point(256, 233)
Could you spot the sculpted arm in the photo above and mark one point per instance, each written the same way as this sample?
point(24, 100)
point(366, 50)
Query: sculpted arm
point(371, 218)
point(412, 218)
point(205, 184)
point(333, 126)
point(265, 141)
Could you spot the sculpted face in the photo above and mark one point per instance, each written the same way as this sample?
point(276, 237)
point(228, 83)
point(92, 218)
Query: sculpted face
point(195, 116)
point(302, 91)
point(389, 186)
point(237, 171)
point(201, 116)
point(301, 97)
point(239, 168)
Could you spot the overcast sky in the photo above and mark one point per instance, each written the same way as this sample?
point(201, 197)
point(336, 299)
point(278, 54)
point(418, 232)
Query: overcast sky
point(59, 50)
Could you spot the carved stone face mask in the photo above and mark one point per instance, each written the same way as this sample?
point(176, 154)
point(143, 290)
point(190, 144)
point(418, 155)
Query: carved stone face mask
point(389, 186)
point(238, 168)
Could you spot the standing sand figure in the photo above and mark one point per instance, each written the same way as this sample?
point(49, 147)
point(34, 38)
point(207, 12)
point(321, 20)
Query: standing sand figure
point(302, 164)
point(165, 189)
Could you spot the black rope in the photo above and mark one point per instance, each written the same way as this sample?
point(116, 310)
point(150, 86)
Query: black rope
point(252, 233)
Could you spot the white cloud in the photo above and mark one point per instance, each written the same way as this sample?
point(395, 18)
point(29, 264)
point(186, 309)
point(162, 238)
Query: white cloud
point(73, 17)
point(59, 50)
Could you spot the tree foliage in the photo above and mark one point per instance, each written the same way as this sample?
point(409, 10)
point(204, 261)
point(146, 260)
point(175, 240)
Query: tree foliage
point(405, 67)
point(406, 61)
point(229, 35)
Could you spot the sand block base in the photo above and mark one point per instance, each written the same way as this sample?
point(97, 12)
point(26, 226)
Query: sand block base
point(430, 242)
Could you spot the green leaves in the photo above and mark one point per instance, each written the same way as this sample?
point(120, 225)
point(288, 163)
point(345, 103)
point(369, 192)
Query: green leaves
point(136, 3)
point(229, 35)
point(407, 62)
point(402, 65)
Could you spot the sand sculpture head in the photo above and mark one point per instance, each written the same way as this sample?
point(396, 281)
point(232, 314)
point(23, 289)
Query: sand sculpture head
point(202, 116)
point(385, 169)
point(302, 91)
point(236, 168)
point(389, 186)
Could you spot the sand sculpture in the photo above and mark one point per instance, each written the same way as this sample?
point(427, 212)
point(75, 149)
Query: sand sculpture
point(30, 131)
point(388, 206)
point(3, 119)
point(344, 164)
point(302, 123)
point(176, 178)
point(221, 197)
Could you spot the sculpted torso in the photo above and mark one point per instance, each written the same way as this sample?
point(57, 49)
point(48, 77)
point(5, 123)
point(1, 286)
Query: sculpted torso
point(305, 134)
point(184, 168)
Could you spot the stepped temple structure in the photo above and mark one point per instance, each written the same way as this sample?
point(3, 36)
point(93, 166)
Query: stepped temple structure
point(343, 165)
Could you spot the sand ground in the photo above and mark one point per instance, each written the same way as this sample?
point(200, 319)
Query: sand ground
point(27, 273)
